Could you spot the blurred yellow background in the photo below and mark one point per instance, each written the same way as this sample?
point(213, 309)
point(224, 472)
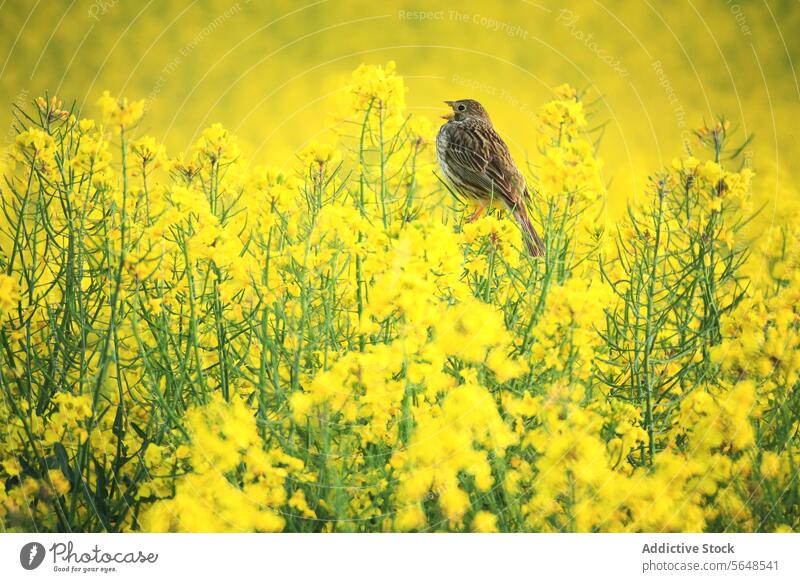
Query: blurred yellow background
point(270, 71)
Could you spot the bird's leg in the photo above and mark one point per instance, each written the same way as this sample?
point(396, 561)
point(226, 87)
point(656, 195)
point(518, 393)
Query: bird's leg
point(477, 214)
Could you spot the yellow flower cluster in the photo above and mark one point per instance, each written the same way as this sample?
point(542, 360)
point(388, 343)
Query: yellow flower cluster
point(36, 148)
point(567, 164)
point(9, 292)
point(120, 114)
point(232, 484)
point(378, 87)
point(453, 440)
point(566, 338)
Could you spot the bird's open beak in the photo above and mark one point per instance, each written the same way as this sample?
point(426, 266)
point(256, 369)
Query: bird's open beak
point(449, 116)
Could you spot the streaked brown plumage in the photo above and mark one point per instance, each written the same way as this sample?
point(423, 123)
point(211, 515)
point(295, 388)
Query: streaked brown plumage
point(477, 163)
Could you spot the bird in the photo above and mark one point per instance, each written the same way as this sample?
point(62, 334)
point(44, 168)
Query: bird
point(477, 164)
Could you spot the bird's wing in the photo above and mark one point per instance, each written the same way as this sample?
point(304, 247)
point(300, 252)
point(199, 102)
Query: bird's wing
point(483, 161)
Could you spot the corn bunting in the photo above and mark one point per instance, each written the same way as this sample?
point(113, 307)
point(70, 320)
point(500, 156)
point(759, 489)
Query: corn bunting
point(477, 163)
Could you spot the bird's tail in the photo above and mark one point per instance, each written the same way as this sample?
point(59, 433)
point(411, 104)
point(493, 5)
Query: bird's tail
point(533, 241)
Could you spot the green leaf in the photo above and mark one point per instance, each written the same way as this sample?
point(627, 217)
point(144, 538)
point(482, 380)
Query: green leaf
point(62, 458)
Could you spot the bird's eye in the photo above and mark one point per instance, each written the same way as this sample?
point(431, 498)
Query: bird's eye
point(462, 107)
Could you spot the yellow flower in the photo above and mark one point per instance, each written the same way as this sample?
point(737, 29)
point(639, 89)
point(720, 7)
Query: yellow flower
point(505, 368)
point(60, 484)
point(86, 125)
point(484, 522)
point(454, 503)
point(217, 145)
point(9, 292)
point(12, 467)
point(566, 92)
point(149, 152)
point(377, 87)
point(410, 518)
point(92, 154)
point(298, 502)
point(319, 156)
point(225, 442)
point(38, 147)
point(770, 465)
point(120, 113)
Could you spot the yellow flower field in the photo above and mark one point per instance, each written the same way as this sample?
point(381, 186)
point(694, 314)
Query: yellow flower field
point(197, 342)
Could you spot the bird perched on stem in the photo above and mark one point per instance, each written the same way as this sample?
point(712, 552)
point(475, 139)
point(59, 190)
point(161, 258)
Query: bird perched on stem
point(476, 162)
